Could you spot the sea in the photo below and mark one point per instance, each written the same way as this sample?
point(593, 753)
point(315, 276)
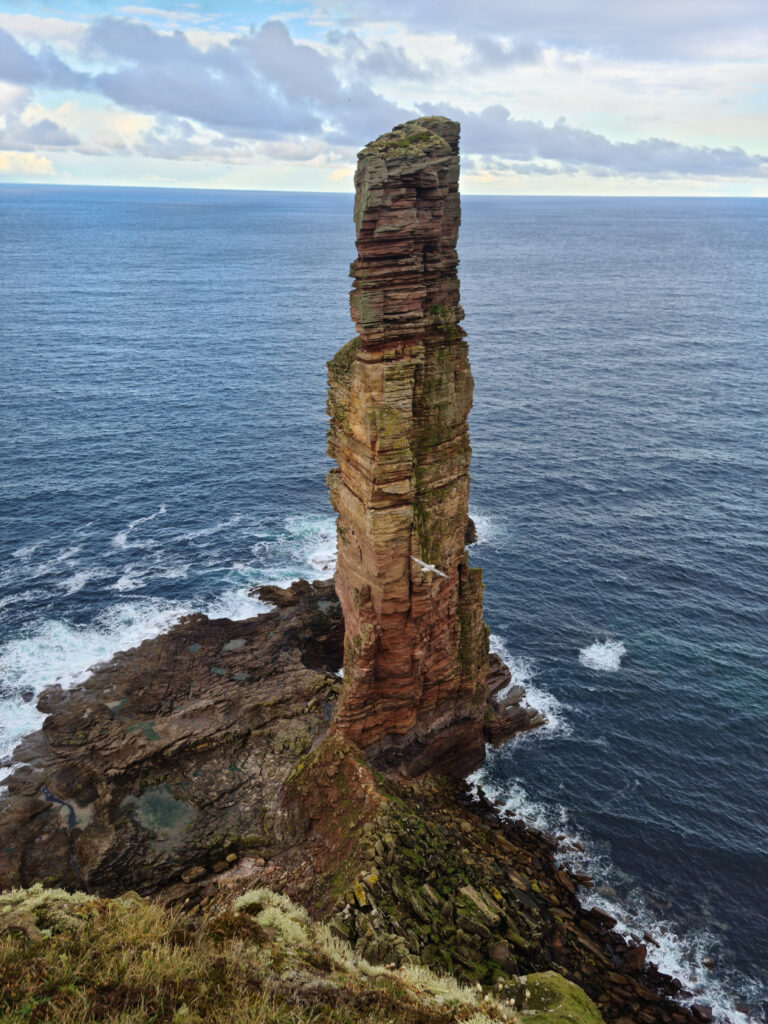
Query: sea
point(162, 401)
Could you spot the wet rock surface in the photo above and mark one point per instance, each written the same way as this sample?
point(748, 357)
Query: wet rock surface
point(172, 756)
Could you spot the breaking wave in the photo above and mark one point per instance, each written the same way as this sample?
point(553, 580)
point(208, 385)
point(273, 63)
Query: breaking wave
point(524, 673)
point(603, 655)
point(682, 956)
point(58, 649)
point(121, 539)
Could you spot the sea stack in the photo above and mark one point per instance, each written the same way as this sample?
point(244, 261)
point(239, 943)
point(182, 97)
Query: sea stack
point(399, 393)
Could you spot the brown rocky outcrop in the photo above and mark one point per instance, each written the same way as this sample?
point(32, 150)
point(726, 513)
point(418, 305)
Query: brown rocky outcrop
point(171, 758)
point(188, 750)
point(416, 646)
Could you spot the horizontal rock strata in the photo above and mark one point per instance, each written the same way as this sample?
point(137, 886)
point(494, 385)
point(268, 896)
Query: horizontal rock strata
point(176, 759)
point(171, 758)
point(416, 647)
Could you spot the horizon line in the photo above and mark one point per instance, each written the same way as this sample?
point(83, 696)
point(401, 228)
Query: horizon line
point(351, 193)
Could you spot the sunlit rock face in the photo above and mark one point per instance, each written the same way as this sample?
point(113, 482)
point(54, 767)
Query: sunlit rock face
point(416, 647)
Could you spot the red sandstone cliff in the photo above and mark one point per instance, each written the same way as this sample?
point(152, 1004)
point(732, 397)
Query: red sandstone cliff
point(416, 649)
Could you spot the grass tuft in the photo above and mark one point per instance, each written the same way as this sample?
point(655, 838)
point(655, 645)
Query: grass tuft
point(76, 959)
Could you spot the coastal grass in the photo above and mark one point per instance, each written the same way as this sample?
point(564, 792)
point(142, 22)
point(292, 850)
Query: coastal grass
point(76, 959)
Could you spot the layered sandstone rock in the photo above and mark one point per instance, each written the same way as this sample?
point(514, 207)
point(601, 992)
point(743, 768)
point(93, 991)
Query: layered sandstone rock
point(170, 759)
point(416, 647)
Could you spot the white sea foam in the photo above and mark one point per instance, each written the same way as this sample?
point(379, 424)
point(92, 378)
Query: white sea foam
point(134, 578)
point(521, 668)
point(523, 672)
point(131, 579)
point(603, 655)
point(27, 550)
point(679, 955)
point(513, 800)
point(173, 572)
point(58, 652)
point(76, 582)
point(21, 597)
point(208, 531)
point(235, 604)
point(313, 540)
point(489, 528)
point(323, 560)
point(55, 563)
point(121, 539)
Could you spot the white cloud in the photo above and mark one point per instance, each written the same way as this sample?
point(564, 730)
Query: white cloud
point(42, 134)
point(25, 165)
point(495, 133)
point(676, 30)
point(191, 17)
point(490, 53)
point(541, 100)
point(33, 29)
point(380, 58)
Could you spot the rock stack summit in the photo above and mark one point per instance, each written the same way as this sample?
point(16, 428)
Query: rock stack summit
point(416, 647)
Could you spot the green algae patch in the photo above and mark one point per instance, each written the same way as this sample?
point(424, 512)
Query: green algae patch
point(235, 645)
point(415, 136)
point(147, 730)
point(159, 812)
point(341, 363)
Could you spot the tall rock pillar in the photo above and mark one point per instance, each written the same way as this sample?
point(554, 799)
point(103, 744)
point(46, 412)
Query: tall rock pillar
point(416, 647)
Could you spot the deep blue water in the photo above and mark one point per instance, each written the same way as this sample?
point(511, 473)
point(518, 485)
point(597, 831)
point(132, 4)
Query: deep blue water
point(162, 386)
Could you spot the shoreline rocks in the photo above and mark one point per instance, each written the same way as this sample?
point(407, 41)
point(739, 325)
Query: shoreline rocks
point(173, 754)
point(407, 871)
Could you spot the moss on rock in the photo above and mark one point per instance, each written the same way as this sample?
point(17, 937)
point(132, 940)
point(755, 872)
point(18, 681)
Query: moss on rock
point(548, 998)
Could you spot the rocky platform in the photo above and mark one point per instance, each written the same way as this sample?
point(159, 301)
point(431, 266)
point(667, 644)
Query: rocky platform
point(173, 758)
point(173, 755)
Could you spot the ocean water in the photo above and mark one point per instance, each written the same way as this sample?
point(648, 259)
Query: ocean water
point(162, 387)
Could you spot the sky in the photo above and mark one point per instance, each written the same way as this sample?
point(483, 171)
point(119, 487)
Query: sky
point(555, 97)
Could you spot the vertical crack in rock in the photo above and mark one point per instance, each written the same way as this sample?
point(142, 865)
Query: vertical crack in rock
point(416, 647)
